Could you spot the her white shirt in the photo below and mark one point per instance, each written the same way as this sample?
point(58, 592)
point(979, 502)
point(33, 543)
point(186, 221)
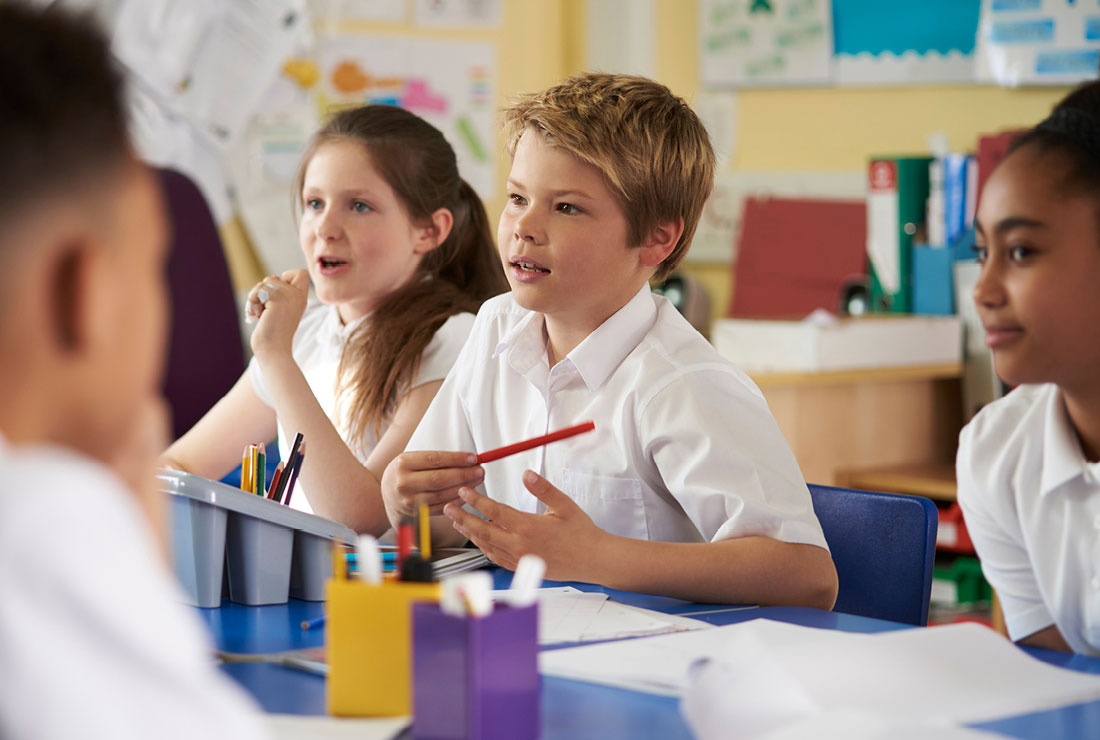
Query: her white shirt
point(95, 640)
point(1032, 507)
point(684, 450)
point(317, 348)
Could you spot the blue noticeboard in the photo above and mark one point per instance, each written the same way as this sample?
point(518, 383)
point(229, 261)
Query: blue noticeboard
point(900, 26)
point(904, 41)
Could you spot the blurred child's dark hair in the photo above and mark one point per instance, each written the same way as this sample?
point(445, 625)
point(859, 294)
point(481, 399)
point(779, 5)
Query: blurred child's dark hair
point(381, 357)
point(1072, 131)
point(62, 118)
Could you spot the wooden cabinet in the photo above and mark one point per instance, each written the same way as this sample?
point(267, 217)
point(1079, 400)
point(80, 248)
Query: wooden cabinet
point(841, 423)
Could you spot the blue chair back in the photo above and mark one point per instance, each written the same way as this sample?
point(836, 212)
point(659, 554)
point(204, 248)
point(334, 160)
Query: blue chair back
point(884, 547)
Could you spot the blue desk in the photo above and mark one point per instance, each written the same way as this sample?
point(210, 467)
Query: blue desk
point(571, 709)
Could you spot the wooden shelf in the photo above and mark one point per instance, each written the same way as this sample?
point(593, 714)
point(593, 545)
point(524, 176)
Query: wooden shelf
point(934, 480)
point(871, 375)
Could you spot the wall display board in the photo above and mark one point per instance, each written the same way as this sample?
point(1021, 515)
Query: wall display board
point(1038, 42)
point(903, 41)
point(765, 42)
point(451, 84)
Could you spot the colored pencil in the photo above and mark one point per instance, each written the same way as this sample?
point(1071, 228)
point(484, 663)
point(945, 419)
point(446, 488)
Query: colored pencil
point(294, 473)
point(545, 439)
point(291, 459)
point(261, 470)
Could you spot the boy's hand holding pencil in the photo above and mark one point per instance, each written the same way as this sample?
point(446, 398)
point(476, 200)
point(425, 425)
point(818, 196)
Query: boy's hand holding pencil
point(433, 478)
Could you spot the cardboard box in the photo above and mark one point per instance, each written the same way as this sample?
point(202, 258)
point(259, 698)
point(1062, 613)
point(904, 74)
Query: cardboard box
point(868, 342)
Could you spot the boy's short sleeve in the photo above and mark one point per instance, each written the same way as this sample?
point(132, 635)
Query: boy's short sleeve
point(440, 354)
point(446, 425)
point(998, 540)
point(722, 456)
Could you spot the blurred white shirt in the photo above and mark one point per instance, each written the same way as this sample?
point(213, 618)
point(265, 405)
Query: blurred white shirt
point(95, 641)
point(317, 349)
point(1032, 507)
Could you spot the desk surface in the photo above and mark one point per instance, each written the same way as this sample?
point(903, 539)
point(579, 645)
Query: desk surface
point(572, 709)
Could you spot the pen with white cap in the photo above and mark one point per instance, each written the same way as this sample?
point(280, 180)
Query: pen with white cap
point(526, 580)
point(368, 559)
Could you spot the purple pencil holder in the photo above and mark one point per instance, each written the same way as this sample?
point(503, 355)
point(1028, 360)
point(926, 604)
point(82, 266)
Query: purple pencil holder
point(475, 678)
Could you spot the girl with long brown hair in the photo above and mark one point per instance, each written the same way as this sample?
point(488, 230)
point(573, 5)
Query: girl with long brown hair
point(400, 254)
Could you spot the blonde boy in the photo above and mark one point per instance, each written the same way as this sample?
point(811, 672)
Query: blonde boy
point(94, 641)
point(686, 488)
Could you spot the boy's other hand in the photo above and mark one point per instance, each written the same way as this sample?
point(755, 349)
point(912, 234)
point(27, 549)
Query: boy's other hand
point(564, 535)
point(429, 477)
point(276, 304)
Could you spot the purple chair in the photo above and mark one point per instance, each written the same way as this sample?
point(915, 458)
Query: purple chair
point(206, 354)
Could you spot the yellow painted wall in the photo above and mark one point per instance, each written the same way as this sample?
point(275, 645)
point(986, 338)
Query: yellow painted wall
point(801, 129)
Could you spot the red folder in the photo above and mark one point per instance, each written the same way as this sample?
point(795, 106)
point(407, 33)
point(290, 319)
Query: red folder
point(796, 255)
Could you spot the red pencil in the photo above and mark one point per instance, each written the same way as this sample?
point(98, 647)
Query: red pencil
point(275, 479)
point(545, 439)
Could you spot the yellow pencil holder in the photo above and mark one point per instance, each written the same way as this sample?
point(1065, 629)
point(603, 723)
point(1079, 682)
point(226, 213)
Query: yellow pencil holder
point(369, 645)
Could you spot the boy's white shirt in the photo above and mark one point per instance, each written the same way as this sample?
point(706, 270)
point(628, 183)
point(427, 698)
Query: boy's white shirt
point(95, 641)
point(317, 348)
point(1032, 507)
point(684, 450)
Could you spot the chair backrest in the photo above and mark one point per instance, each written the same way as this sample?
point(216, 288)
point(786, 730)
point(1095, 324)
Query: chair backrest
point(205, 350)
point(884, 547)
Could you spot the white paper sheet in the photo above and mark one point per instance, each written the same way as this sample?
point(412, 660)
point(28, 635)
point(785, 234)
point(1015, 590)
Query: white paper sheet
point(845, 724)
point(205, 61)
point(459, 13)
point(567, 614)
point(323, 727)
point(767, 672)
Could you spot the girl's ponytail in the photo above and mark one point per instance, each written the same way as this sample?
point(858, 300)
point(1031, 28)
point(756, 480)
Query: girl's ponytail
point(469, 256)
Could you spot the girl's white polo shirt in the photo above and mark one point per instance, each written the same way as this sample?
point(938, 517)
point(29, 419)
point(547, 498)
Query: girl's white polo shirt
point(1032, 506)
point(318, 346)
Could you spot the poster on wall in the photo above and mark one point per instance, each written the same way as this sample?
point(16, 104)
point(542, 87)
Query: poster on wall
point(903, 41)
point(265, 164)
point(381, 11)
point(765, 42)
point(451, 84)
point(459, 13)
point(1038, 42)
point(197, 72)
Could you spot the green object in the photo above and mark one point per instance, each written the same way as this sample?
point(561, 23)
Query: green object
point(261, 473)
point(473, 141)
point(965, 574)
point(896, 198)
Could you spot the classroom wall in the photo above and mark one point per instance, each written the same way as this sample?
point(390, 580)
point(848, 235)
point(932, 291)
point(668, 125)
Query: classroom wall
point(833, 129)
point(776, 130)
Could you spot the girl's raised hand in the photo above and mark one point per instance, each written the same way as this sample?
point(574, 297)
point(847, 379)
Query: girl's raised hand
point(276, 305)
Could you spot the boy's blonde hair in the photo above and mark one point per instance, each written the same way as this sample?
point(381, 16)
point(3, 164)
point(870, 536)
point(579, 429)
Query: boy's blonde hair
point(650, 146)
